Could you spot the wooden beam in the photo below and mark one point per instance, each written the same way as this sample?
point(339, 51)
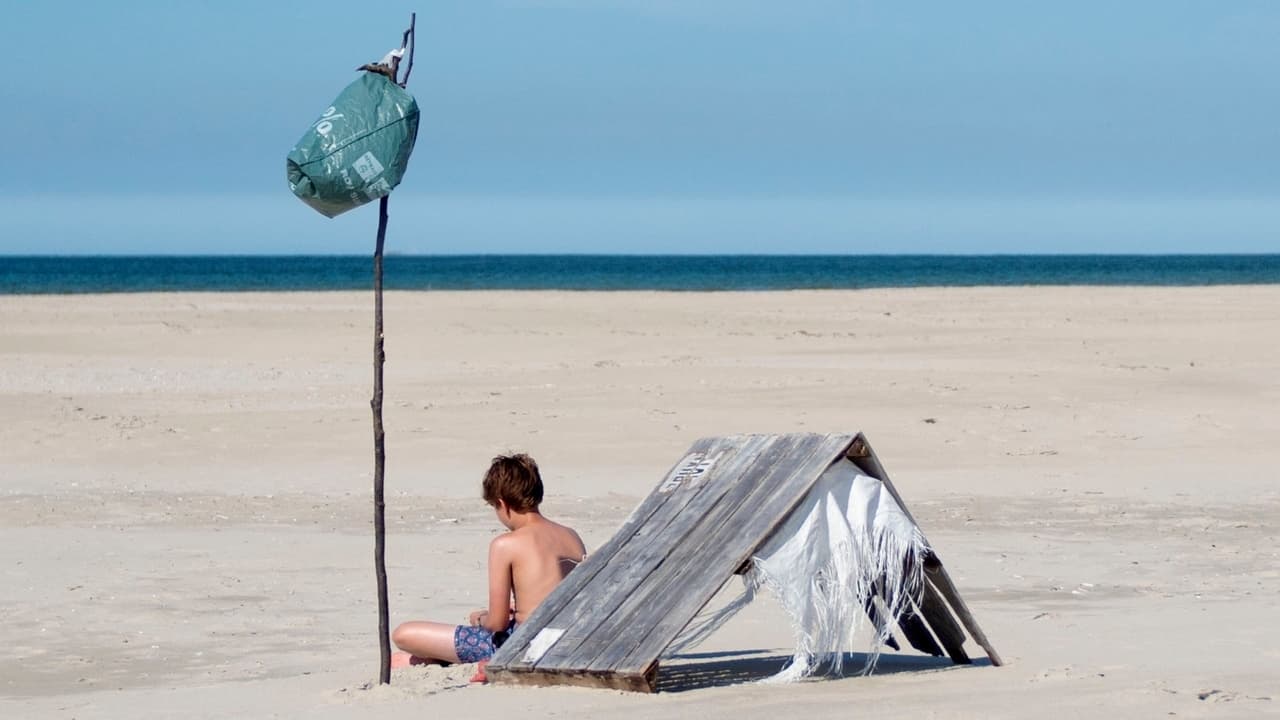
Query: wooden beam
point(937, 574)
point(645, 682)
point(936, 613)
point(917, 633)
point(863, 456)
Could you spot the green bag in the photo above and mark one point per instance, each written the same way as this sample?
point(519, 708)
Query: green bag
point(359, 148)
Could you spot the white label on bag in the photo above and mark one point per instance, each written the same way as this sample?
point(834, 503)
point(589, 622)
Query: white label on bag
point(368, 166)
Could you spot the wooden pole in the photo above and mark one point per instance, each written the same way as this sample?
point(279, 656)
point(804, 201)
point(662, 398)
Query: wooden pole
point(380, 457)
point(379, 446)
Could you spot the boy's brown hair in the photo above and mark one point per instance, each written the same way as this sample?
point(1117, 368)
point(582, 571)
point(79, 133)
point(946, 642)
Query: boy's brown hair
point(513, 479)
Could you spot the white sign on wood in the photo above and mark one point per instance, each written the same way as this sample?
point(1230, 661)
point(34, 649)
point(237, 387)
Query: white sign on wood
point(689, 472)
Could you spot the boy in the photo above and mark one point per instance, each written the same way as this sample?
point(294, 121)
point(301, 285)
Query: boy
point(525, 565)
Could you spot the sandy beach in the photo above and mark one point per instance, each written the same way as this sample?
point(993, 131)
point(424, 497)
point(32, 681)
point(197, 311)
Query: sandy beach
point(185, 488)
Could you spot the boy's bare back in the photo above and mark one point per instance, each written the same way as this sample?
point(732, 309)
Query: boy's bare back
point(539, 554)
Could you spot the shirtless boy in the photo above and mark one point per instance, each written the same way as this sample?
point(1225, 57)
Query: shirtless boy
point(525, 565)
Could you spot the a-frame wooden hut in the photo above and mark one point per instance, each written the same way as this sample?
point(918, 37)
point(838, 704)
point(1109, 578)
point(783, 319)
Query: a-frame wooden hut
point(610, 620)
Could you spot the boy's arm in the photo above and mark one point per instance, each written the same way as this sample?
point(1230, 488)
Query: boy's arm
point(500, 586)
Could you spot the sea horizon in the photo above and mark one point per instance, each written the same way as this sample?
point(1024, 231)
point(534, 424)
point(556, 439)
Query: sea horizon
point(112, 273)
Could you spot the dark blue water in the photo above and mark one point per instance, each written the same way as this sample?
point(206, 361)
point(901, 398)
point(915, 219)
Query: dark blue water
point(20, 274)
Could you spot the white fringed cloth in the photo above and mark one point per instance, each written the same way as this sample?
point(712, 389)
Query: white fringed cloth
point(846, 547)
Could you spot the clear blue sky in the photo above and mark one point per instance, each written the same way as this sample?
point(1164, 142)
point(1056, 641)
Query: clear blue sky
point(655, 126)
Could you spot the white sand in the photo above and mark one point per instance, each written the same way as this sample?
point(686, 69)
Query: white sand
point(185, 488)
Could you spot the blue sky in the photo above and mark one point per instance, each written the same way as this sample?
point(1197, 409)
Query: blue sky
point(656, 126)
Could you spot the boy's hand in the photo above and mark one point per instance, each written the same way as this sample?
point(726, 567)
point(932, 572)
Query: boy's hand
point(477, 618)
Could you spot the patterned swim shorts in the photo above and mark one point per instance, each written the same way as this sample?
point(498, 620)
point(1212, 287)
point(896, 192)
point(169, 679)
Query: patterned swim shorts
point(474, 644)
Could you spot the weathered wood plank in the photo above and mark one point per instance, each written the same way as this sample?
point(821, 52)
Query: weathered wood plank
point(937, 574)
point(646, 682)
point(737, 536)
point(762, 513)
point(647, 548)
point(917, 633)
point(862, 454)
point(908, 621)
point(936, 613)
point(635, 616)
point(512, 652)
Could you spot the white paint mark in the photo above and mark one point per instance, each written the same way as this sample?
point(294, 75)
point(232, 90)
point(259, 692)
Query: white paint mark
point(541, 643)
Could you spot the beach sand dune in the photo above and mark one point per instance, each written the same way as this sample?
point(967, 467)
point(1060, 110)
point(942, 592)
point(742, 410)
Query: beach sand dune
point(185, 514)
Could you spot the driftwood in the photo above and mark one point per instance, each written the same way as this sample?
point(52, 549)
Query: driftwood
point(379, 446)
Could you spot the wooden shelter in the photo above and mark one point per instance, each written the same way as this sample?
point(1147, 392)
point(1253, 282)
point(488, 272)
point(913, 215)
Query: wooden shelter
point(609, 621)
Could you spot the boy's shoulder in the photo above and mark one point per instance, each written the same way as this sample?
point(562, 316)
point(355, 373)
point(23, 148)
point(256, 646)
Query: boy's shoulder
point(512, 539)
point(548, 533)
point(505, 539)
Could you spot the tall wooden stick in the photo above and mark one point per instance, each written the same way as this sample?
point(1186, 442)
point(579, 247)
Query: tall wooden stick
point(409, 40)
point(379, 447)
point(380, 457)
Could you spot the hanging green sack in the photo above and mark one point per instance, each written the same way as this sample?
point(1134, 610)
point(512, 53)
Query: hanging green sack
point(359, 148)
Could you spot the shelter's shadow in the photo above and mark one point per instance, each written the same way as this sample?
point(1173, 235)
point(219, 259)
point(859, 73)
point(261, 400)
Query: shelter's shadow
point(697, 671)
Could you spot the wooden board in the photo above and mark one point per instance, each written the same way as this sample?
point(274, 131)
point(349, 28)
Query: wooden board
point(864, 457)
point(608, 623)
point(617, 611)
point(935, 612)
point(734, 536)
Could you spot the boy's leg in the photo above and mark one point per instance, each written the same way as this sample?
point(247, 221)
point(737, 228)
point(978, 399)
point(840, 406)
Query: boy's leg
point(424, 642)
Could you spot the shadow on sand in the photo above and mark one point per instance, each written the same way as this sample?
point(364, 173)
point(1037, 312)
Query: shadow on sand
point(696, 671)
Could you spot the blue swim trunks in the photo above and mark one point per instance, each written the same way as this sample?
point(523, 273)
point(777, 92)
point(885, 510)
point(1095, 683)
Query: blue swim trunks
point(474, 644)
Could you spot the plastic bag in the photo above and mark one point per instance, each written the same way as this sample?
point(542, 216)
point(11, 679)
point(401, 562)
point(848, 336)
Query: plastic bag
point(358, 150)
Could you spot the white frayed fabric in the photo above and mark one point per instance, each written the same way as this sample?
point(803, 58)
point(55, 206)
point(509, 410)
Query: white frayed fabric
point(846, 547)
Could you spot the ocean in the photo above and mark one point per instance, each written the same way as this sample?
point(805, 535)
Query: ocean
point(112, 274)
